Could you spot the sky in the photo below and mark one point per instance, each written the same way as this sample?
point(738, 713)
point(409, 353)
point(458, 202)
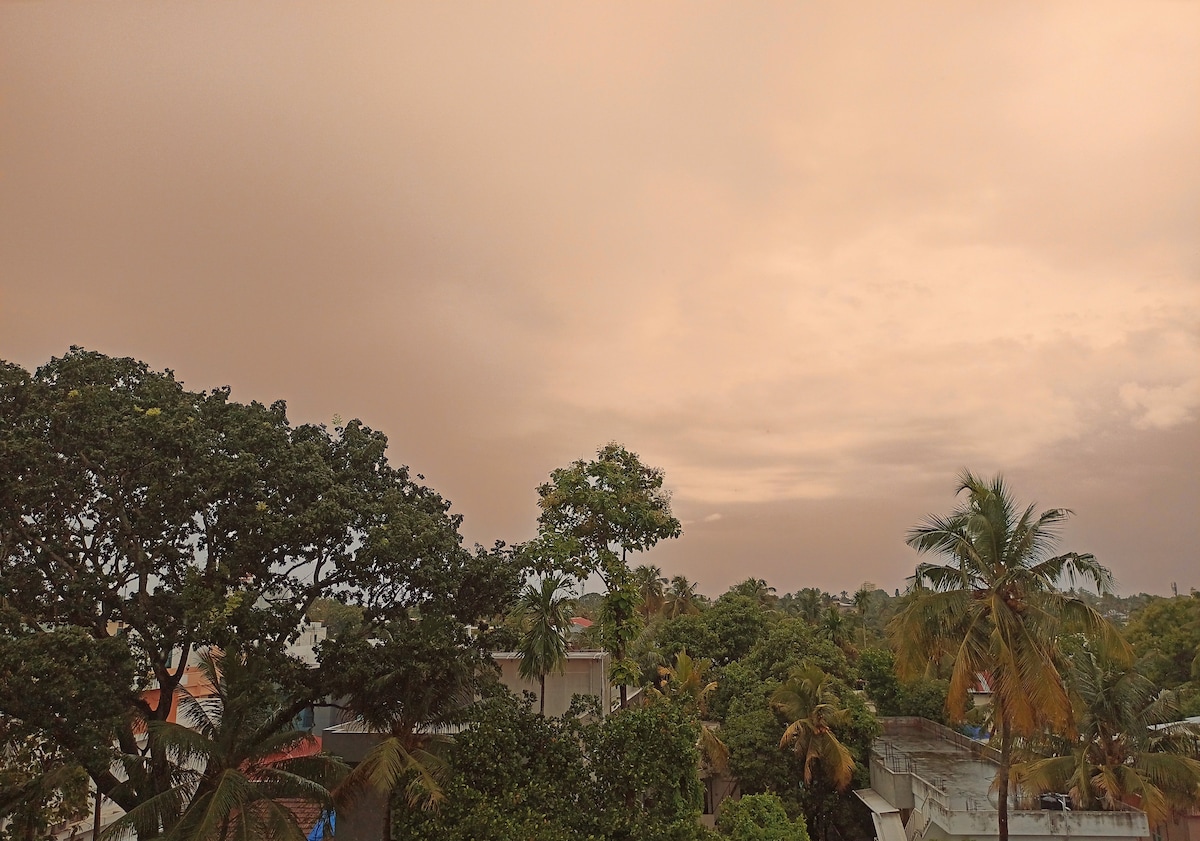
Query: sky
point(811, 259)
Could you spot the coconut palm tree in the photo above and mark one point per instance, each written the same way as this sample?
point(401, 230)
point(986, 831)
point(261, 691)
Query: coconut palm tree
point(686, 683)
point(1127, 744)
point(544, 612)
point(681, 599)
point(757, 589)
point(401, 684)
point(808, 702)
point(651, 586)
point(995, 606)
point(809, 603)
point(233, 766)
point(863, 597)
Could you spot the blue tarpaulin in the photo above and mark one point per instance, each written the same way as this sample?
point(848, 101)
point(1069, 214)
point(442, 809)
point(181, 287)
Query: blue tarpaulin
point(324, 828)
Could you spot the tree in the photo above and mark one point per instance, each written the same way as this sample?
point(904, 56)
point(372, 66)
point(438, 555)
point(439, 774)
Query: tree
point(863, 597)
point(650, 584)
point(141, 522)
point(594, 513)
point(408, 681)
point(808, 702)
point(1124, 748)
point(760, 817)
point(686, 683)
point(516, 775)
point(756, 589)
point(995, 606)
point(512, 775)
point(809, 604)
point(1166, 635)
point(38, 786)
point(233, 765)
point(681, 598)
point(544, 612)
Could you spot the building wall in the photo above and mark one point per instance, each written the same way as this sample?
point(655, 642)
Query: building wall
point(585, 673)
point(1182, 828)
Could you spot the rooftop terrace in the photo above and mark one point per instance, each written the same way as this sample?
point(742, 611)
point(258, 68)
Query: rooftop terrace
point(940, 784)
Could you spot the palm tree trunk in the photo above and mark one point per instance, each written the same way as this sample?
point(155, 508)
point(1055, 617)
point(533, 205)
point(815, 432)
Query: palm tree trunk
point(542, 708)
point(1005, 765)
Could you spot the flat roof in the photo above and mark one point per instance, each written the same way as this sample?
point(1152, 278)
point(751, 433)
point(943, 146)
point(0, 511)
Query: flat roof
point(961, 774)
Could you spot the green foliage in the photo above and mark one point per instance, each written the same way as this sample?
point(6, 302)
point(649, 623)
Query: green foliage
point(518, 775)
point(141, 522)
point(66, 687)
point(1165, 636)
point(737, 686)
point(544, 613)
point(39, 787)
point(691, 632)
point(995, 606)
point(791, 642)
point(877, 670)
point(752, 734)
point(1122, 751)
point(760, 817)
point(681, 598)
point(595, 512)
point(808, 701)
point(230, 765)
point(337, 617)
point(922, 697)
point(407, 680)
point(593, 515)
point(739, 622)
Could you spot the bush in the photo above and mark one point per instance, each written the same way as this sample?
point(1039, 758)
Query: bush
point(760, 817)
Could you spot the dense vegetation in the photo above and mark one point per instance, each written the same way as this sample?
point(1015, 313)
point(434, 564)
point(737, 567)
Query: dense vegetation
point(143, 525)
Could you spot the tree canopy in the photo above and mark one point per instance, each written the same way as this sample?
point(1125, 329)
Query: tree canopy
point(141, 522)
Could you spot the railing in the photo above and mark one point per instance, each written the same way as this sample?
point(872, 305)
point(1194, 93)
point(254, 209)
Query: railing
point(940, 731)
point(893, 758)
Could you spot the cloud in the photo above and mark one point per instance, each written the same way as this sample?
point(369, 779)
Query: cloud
point(1161, 407)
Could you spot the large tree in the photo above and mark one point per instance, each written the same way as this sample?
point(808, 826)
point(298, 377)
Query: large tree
point(594, 513)
point(995, 605)
point(808, 702)
point(141, 522)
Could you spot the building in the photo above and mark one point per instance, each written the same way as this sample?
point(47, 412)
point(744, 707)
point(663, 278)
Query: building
point(929, 782)
point(584, 673)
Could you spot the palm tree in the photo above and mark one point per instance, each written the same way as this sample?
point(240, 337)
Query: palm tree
point(808, 702)
point(1123, 748)
point(686, 683)
point(809, 602)
point(834, 625)
point(544, 612)
point(862, 601)
point(995, 606)
point(401, 684)
point(681, 598)
point(233, 766)
point(651, 586)
point(757, 589)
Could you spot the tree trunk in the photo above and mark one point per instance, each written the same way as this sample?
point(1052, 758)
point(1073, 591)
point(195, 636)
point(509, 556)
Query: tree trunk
point(1005, 765)
point(624, 697)
point(543, 697)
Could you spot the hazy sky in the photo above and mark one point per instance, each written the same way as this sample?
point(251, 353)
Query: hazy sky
point(811, 259)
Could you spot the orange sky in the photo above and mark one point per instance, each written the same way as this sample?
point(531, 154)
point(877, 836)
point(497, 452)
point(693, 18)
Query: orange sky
point(810, 259)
